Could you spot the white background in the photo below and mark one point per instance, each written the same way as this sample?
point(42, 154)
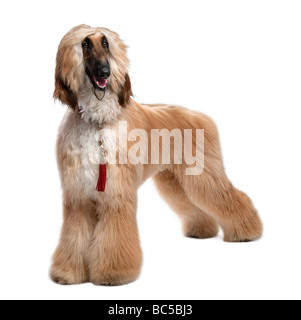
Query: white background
point(238, 61)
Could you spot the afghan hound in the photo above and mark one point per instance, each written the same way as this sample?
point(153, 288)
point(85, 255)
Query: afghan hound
point(99, 240)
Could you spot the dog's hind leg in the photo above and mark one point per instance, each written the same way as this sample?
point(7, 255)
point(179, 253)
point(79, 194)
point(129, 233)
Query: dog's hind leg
point(196, 223)
point(231, 208)
point(212, 191)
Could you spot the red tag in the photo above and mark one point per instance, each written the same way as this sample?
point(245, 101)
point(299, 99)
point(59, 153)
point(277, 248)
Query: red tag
point(101, 184)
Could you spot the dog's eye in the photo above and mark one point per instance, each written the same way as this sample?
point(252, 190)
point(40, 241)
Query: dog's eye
point(86, 44)
point(105, 43)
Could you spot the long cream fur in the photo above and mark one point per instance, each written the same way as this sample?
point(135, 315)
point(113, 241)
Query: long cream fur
point(99, 240)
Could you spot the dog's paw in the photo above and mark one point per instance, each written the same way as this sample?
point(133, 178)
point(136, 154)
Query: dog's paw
point(246, 231)
point(114, 278)
point(234, 237)
point(65, 278)
point(201, 232)
point(60, 281)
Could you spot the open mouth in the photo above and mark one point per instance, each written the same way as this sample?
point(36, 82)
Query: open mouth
point(100, 83)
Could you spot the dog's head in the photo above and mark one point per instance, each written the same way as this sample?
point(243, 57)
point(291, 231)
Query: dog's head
point(96, 54)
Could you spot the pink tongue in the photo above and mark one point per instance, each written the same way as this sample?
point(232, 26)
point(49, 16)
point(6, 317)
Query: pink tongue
point(101, 83)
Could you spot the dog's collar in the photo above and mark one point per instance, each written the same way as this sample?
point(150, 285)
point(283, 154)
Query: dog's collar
point(80, 109)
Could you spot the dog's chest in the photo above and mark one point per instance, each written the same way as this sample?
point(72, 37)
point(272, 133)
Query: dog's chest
point(88, 146)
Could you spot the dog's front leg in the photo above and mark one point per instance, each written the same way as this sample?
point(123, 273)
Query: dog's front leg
point(69, 261)
point(115, 255)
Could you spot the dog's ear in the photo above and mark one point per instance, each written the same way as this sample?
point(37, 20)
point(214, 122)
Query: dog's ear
point(63, 90)
point(63, 93)
point(126, 92)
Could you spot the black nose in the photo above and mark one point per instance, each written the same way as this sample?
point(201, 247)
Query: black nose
point(103, 70)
